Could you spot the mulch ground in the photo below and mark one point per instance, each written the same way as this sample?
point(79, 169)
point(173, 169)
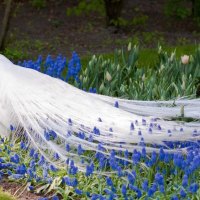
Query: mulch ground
point(54, 32)
point(17, 190)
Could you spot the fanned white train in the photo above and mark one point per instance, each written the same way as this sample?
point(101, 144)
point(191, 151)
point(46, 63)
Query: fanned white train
point(35, 103)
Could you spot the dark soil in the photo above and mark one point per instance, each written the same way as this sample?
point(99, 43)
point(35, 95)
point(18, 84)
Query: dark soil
point(12, 188)
point(50, 31)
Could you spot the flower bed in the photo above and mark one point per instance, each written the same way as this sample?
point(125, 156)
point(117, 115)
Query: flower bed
point(164, 173)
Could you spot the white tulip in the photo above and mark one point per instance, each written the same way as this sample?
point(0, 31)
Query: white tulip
point(129, 46)
point(185, 59)
point(108, 76)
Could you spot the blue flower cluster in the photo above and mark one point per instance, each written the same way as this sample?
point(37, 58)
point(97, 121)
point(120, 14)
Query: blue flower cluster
point(125, 176)
point(57, 67)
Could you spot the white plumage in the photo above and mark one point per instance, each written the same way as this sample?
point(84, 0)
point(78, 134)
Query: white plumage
point(34, 102)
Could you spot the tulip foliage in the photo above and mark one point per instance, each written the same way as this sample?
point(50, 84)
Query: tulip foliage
point(169, 78)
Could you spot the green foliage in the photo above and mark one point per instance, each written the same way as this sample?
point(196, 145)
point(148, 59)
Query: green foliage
point(14, 54)
point(150, 37)
point(122, 76)
point(5, 195)
point(38, 3)
point(21, 49)
point(140, 20)
point(120, 22)
point(136, 21)
point(177, 8)
point(86, 7)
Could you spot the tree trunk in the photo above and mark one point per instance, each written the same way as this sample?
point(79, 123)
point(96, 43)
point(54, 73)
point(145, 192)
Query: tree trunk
point(5, 24)
point(192, 7)
point(113, 11)
point(196, 8)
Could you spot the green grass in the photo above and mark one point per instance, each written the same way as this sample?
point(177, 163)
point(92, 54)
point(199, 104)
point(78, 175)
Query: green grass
point(148, 57)
point(6, 196)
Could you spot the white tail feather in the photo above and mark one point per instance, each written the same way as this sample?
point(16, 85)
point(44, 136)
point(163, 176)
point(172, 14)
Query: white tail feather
point(36, 102)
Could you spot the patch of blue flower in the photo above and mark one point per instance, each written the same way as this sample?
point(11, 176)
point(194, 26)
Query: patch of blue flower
point(115, 175)
point(161, 175)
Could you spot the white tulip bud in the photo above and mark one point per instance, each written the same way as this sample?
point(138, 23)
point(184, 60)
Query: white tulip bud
point(162, 67)
point(143, 77)
point(108, 76)
point(84, 80)
point(159, 49)
point(183, 86)
point(129, 46)
point(172, 56)
point(191, 58)
point(101, 87)
point(86, 71)
point(185, 59)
